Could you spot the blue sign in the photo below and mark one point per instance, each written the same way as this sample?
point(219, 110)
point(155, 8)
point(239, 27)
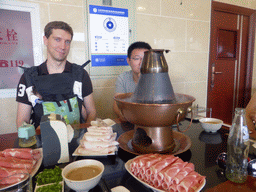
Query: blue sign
point(109, 60)
point(101, 10)
point(109, 35)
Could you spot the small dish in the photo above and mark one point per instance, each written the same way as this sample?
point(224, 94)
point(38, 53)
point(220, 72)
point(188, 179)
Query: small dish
point(61, 183)
point(211, 125)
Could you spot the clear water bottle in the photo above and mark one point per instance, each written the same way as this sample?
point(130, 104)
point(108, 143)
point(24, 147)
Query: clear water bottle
point(238, 148)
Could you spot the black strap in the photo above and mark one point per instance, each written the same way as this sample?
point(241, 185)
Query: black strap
point(58, 103)
point(69, 106)
point(86, 63)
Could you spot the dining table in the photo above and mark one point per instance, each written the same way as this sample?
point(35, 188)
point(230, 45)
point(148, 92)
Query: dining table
point(195, 145)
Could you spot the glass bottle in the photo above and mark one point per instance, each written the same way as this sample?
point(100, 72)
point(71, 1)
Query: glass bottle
point(238, 148)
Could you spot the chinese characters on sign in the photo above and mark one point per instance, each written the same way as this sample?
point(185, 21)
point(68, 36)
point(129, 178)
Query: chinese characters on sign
point(108, 35)
point(15, 46)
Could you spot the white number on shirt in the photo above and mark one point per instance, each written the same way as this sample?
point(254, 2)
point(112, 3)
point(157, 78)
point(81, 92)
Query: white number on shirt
point(22, 89)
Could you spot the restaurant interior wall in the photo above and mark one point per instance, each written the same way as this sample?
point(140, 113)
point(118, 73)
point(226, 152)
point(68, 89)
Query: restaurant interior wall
point(181, 26)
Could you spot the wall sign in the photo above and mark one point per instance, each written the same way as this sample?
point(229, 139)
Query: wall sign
point(19, 43)
point(108, 35)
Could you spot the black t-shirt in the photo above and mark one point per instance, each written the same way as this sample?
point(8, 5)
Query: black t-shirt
point(22, 96)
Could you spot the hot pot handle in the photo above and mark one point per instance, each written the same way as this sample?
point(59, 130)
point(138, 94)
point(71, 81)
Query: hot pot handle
point(180, 111)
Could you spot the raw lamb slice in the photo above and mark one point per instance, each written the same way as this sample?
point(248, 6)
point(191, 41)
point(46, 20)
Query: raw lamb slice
point(160, 175)
point(169, 188)
point(187, 182)
point(12, 162)
point(5, 172)
point(22, 153)
point(12, 179)
point(140, 162)
point(173, 171)
point(90, 137)
point(183, 173)
point(167, 160)
point(150, 162)
point(97, 144)
point(99, 131)
point(107, 150)
point(195, 185)
point(94, 128)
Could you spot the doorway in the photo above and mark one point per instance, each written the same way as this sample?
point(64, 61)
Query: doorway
point(230, 60)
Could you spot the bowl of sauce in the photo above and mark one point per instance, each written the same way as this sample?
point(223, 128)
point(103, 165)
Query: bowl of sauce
point(83, 175)
point(211, 125)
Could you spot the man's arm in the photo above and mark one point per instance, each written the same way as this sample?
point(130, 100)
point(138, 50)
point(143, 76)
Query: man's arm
point(23, 114)
point(90, 108)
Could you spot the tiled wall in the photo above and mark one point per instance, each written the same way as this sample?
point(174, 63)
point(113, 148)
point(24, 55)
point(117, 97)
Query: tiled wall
point(165, 24)
point(184, 29)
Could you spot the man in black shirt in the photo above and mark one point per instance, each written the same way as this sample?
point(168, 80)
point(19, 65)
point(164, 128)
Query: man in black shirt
point(56, 86)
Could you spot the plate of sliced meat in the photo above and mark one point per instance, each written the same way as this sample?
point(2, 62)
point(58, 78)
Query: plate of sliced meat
point(165, 173)
point(18, 161)
point(97, 141)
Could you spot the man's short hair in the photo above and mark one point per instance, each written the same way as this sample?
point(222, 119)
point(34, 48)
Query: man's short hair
point(137, 45)
point(57, 25)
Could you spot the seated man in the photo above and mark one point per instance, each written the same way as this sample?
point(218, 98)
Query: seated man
point(127, 81)
point(55, 86)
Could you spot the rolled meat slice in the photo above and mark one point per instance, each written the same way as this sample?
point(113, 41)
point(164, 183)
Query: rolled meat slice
point(6, 172)
point(187, 182)
point(91, 137)
point(173, 171)
point(98, 131)
point(22, 153)
point(197, 183)
point(172, 167)
point(13, 179)
point(97, 144)
point(140, 161)
point(12, 162)
point(98, 151)
point(183, 173)
point(167, 160)
point(96, 128)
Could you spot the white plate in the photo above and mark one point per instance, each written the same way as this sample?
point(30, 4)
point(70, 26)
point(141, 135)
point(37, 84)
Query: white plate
point(90, 153)
point(62, 183)
point(127, 167)
point(34, 170)
point(38, 163)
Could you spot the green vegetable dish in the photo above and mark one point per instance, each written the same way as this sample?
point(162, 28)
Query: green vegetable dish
point(49, 176)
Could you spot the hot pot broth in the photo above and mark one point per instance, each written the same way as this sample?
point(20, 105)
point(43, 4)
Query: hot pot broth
point(83, 173)
point(212, 122)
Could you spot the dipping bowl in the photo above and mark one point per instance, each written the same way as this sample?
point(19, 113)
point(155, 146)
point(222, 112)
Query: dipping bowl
point(84, 185)
point(211, 125)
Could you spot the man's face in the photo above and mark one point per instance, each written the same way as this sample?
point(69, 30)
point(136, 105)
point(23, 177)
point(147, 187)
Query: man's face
point(136, 59)
point(58, 45)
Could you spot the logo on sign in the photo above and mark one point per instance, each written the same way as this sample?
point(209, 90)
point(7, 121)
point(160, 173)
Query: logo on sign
point(109, 24)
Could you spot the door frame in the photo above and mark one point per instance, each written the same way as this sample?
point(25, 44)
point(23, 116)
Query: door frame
point(218, 6)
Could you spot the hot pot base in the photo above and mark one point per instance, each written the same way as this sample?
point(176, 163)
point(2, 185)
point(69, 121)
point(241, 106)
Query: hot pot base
point(182, 143)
